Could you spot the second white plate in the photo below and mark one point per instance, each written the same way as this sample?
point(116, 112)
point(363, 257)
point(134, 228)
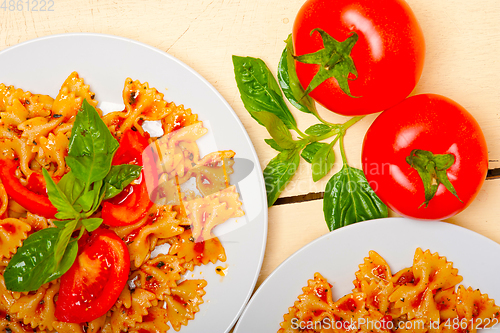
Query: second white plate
point(337, 255)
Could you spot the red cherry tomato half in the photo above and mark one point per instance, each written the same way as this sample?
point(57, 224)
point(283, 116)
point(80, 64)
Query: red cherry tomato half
point(388, 55)
point(433, 131)
point(133, 203)
point(92, 285)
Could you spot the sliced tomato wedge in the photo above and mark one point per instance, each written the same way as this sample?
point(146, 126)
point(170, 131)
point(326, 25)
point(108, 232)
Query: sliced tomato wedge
point(133, 203)
point(36, 183)
point(33, 198)
point(92, 285)
point(132, 144)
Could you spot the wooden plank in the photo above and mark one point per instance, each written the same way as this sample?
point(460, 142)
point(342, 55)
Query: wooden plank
point(462, 37)
point(462, 42)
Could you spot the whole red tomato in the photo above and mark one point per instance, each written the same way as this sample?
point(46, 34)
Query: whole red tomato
point(427, 139)
point(388, 55)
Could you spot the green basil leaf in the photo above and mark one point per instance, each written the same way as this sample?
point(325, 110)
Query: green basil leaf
point(311, 149)
point(318, 129)
point(92, 223)
point(273, 144)
point(259, 90)
point(86, 200)
point(323, 161)
point(349, 199)
point(277, 129)
point(289, 82)
point(34, 264)
point(67, 260)
point(91, 199)
point(72, 187)
point(65, 209)
point(63, 240)
point(278, 173)
point(99, 193)
point(91, 146)
point(119, 177)
point(61, 224)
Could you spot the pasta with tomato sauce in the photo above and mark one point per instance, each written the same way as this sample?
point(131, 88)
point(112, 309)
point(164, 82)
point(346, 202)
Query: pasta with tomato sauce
point(425, 297)
point(35, 132)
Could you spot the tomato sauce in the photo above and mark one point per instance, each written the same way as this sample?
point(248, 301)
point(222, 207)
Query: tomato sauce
point(321, 293)
point(40, 307)
point(152, 219)
point(442, 306)
point(416, 303)
point(375, 301)
point(318, 313)
point(179, 300)
point(380, 272)
point(9, 228)
point(221, 270)
point(406, 277)
point(199, 248)
point(151, 283)
point(148, 317)
point(348, 305)
point(179, 122)
point(26, 328)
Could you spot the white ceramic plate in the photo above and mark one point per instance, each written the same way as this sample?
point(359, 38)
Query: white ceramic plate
point(104, 61)
point(337, 255)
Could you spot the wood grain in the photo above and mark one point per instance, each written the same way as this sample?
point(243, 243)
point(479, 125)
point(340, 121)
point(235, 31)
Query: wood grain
point(293, 226)
point(462, 39)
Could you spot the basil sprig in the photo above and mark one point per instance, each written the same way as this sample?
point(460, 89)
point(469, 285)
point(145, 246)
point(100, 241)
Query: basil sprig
point(348, 197)
point(49, 253)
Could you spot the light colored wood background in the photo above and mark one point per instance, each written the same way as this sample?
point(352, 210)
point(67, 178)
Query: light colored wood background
point(462, 62)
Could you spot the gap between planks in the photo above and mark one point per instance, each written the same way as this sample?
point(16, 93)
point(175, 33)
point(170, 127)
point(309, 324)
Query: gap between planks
point(492, 174)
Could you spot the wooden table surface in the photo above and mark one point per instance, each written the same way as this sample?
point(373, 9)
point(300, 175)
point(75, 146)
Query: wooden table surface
point(462, 63)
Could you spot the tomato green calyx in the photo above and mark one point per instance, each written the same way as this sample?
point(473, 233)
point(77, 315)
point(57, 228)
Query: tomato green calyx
point(334, 60)
point(432, 170)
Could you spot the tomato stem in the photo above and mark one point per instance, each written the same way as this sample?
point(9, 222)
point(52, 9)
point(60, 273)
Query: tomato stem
point(300, 133)
point(334, 61)
point(342, 150)
point(351, 122)
point(341, 135)
point(325, 136)
point(336, 129)
point(316, 113)
point(432, 169)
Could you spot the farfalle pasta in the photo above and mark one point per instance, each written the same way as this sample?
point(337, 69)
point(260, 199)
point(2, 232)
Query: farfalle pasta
point(425, 297)
point(35, 131)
